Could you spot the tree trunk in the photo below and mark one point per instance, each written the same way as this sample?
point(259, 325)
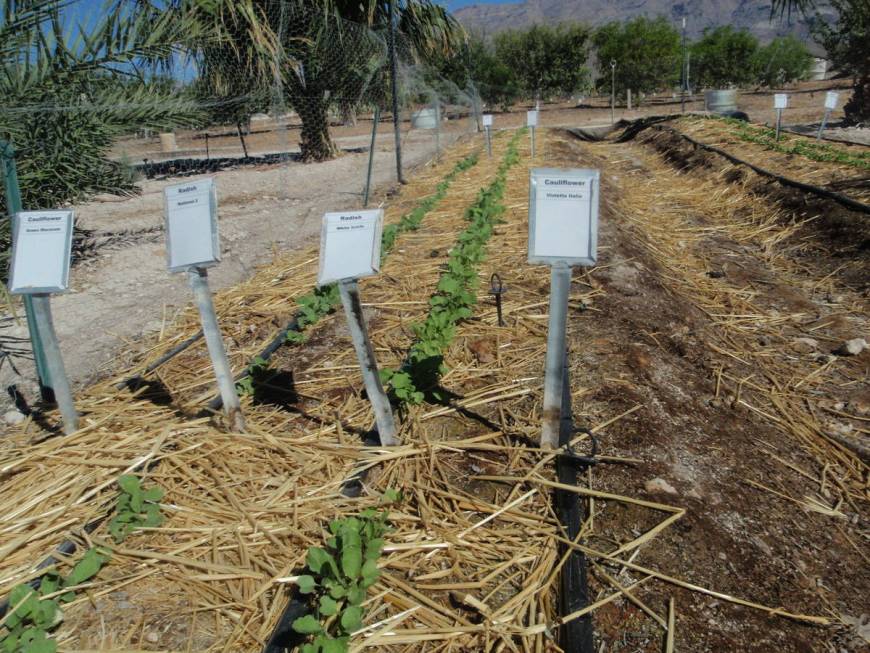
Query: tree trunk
point(348, 114)
point(857, 109)
point(316, 143)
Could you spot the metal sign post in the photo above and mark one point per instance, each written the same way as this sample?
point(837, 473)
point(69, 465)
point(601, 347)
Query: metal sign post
point(350, 248)
point(831, 98)
point(376, 120)
point(532, 123)
point(780, 102)
point(198, 278)
point(563, 232)
point(487, 127)
point(192, 245)
point(437, 109)
point(628, 101)
point(41, 249)
point(612, 90)
point(13, 206)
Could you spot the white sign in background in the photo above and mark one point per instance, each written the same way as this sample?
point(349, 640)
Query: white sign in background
point(563, 216)
point(831, 98)
point(191, 225)
point(531, 119)
point(487, 120)
point(780, 101)
point(350, 245)
point(41, 252)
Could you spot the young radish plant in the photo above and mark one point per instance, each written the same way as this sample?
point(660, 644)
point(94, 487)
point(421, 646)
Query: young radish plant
point(455, 295)
point(33, 613)
point(338, 577)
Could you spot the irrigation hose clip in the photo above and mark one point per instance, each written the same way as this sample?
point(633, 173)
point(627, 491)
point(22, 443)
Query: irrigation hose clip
point(570, 456)
point(497, 289)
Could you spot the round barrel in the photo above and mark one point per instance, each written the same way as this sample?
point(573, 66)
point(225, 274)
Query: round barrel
point(424, 119)
point(721, 101)
point(167, 142)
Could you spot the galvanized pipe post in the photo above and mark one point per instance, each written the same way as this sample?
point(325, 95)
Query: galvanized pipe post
point(628, 101)
point(824, 124)
point(13, 206)
point(683, 70)
point(54, 362)
point(198, 278)
point(778, 122)
point(488, 141)
point(377, 119)
point(437, 106)
point(394, 88)
point(533, 141)
point(349, 291)
point(554, 376)
point(612, 91)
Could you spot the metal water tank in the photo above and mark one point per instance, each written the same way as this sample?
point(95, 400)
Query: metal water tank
point(721, 101)
point(425, 119)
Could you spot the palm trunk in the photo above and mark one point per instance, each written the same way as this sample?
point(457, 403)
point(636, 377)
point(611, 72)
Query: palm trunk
point(316, 143)
point(348, 114)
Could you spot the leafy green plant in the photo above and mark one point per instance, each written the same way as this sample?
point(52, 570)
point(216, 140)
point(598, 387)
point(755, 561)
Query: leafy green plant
point(766, 137)
point(258, 368)
point(455, 296)
point(34, 612)
point(137, 507)
point(339, 576)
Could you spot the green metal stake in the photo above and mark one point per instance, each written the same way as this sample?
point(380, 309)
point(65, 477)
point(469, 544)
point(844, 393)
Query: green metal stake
point(13, 206)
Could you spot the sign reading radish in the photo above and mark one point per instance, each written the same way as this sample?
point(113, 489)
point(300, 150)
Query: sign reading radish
point(831, 99)
point(191, 225)
point(41, 246)
point(350, 245)
point(780, 101)
point(487, 120)
point(563, 216)
point(531, 119)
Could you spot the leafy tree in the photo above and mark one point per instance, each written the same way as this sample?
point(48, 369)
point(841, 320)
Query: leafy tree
point(546, 60)
point(848, 46)
point(784, 60)
point(724, 57)
point(646, 52)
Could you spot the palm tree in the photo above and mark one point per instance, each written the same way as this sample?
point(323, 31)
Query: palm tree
point(319, 54)
point(65, 97)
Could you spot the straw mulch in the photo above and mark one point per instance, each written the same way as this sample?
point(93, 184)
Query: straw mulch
point(760, 318)
point(474, 560)
point(847, 179)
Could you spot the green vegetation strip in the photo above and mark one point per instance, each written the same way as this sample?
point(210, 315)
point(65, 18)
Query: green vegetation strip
point(338, 577)
point(766, 137)
point(322, 301)
point(35, 610)
point(455, 296)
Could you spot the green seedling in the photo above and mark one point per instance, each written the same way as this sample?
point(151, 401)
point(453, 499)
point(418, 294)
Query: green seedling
point(137, 508)
point(338, 577)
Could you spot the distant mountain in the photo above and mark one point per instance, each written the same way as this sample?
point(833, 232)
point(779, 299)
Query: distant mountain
point(754, 15)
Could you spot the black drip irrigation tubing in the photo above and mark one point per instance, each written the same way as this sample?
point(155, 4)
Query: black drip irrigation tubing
point(824, 193)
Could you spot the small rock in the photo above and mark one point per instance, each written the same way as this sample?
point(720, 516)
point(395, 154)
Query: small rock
point(838, 428)
point(13, 417)
point(659, 485)
point(716, 274)
point(851, 347)
point(152, 636)
point(805, 345)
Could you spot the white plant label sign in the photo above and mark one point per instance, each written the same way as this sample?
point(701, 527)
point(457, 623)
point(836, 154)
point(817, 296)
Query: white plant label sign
point(563, 216)
point(350, 245)
point(191, 225)
point(41, 247)
point(831, 98)
point(780, 101)
point(487, 120)
point(531, 119)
